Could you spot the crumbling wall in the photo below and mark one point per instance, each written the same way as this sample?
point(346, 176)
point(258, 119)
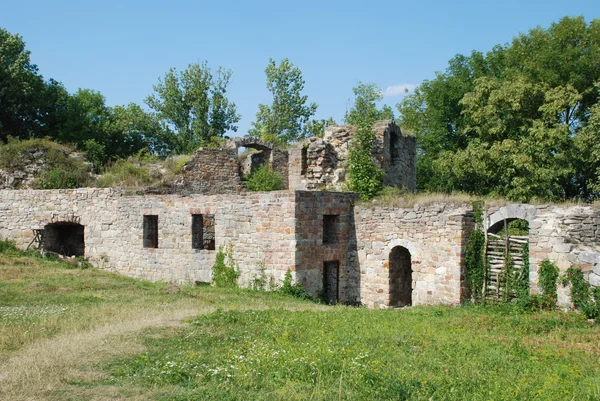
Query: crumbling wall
point(210, 171)
point(326, 158)
point(435, 236)
point(565, 235)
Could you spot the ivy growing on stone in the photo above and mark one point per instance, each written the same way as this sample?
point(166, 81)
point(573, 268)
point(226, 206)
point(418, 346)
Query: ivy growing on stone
point(584, 297)
point(474, 255)
point(548, 277)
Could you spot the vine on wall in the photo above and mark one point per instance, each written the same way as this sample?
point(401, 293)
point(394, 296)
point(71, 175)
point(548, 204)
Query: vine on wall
point(474, 255)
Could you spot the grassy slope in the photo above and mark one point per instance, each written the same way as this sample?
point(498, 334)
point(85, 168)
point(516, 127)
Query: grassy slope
point(87, 334)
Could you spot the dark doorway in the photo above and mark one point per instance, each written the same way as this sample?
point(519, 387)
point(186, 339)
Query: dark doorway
point(331, 278)
point(64, 238)
point(400, 277)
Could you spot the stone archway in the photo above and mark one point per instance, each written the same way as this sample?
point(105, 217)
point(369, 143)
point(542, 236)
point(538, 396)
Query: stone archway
point(64, 238)
point(400, 277)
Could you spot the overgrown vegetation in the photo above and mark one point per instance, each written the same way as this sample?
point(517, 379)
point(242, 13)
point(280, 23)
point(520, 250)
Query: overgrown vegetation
point(61, 168)
point(583, 296)
point(264, 179)
point(548, 279)
point(364, 175)
point(358, 354)
point(296, 290)
point(225, 272)
point(474, 260)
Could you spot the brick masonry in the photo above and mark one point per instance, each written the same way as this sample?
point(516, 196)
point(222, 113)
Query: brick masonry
point(300, 231)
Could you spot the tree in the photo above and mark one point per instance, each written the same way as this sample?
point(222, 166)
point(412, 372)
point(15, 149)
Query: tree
point(22, 89)
point(513, 122)
point(285, 120)
point(194, 105)
point(364, 175)
point(365, 97)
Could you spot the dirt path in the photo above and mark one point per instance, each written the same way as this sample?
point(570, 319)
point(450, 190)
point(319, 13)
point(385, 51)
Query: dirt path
point(42, 370)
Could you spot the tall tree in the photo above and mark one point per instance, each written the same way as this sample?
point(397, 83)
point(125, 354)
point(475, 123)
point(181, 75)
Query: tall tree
point(509, 122)
point(365, 97)
point(193, 103)
point(285, 119)
point(22, 89)
point(364, 175)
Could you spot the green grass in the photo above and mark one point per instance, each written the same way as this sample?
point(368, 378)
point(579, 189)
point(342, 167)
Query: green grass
point(68, 333)
point(422, 353)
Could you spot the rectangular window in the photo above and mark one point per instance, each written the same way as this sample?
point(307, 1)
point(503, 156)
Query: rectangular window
point(303, 161)
point(203, 231)
point(150, 231)
point(330, 228)
point(197, 231)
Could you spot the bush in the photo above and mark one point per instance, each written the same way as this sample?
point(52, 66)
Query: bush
point(548, 274)
point(225, 271)
point(124, 173)
point(584, 297)
point(295, 290)
point(9, 247)
point(63, 170)
point(264, 179)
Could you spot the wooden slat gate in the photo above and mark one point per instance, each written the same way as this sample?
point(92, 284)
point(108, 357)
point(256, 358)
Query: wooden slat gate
point(499, 282)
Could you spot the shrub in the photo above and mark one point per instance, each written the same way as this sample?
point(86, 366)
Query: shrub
point(584, 297)
point(126, 174)
point(264, 179)
point(474, 260)
point(548, 275)
point(225, 270)
point(9, 247)
point(295, 290)
point(62, 171)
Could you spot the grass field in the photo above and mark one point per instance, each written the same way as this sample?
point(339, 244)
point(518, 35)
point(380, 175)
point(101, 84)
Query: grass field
point(68, 333)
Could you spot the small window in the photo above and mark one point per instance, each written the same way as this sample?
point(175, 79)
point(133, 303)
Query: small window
point(203, 231)
point(330, 228)
point(150, 231)
point(331, 280)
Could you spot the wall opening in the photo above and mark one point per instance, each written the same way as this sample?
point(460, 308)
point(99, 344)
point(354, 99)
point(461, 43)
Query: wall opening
point(394, 151)
point(304, 160)
point(150, 231)
point(203, 231)
point(64, 238)
point(331, 279)
point(330, 228)
point(400, 270)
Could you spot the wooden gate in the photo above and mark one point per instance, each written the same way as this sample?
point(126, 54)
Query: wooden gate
point(506, 265)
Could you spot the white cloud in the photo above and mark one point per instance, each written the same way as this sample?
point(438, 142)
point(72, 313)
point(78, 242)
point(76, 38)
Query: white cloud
point(400, 89)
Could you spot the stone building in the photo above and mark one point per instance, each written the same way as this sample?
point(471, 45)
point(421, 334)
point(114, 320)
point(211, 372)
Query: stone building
point(380, 256)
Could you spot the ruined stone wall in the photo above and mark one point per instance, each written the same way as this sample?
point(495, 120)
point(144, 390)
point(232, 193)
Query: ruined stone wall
point(565, 235)
point(211, 171)
point(260, 226)
point(325, 233)
point(434, 235)
point(326, 158)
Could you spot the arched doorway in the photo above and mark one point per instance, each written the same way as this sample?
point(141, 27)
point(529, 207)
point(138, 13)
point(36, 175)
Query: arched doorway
point(64, 238)
point(400, 270)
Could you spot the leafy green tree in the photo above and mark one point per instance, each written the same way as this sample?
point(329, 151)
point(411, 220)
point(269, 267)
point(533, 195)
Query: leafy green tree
point(194, 105)
point(513, 122)
point(365, 97)
point(364, 175)
point(317, 127)
point(22, 89)
point(286, 120)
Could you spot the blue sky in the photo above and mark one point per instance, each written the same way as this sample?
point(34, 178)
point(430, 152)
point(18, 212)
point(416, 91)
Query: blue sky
point(121, 48)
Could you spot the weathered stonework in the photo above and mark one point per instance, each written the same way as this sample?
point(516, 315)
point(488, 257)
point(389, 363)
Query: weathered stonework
point(321, 163)
point(349, 253)
point(567, 236)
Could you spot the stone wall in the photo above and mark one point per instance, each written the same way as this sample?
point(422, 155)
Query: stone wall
point(314, 211)
point(326, 158)
point(210, 171)
point(260, 226)
point(435, 237)
point(565, 235)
